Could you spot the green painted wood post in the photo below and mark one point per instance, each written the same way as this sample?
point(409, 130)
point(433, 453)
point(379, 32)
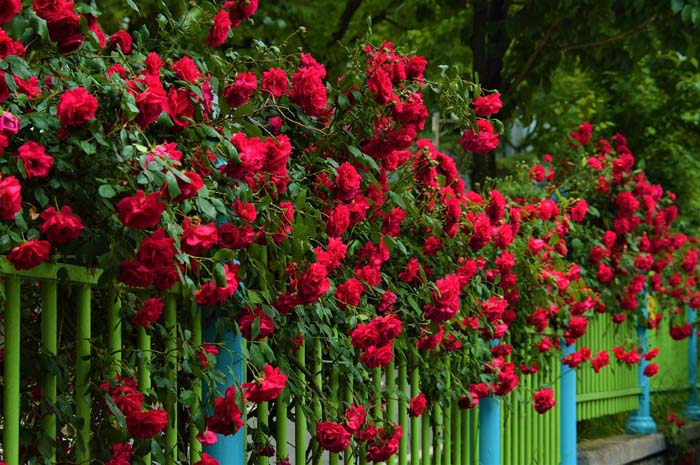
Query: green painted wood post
point(300, 422)
point(425, 438)
point(12, 372)
point(403, 409)
point(415, 421)
point(195, 445)
point(49, 343)
point(347, 395)
point(318, 382)
point(171, 371)
point(333, 385)
point(281, 427)
point(447, 421)
point(82, 376)
point(114, 331)
point(377, 388)
point(391, 404)
point(456, 433)
point(143, 342)
point(263, 419)
point(438, 433)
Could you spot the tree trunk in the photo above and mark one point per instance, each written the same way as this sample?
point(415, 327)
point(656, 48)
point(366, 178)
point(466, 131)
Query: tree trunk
point(489, 44)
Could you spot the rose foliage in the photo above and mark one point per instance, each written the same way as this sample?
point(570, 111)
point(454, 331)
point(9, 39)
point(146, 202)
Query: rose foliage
point(300, 211)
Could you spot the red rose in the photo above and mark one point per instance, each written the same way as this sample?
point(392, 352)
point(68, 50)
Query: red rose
point(60, 228)
point(650, 370)
point(583, 134)
point(350, 292)
point(600, 360)
point(122, 39)
point(207, 459)
point(354, 418)
point(151, 102)
point(30, 87)
point(34, 159)
point(227, 417)
point(150, 312)
point(268, 388)
point(382, 445)
point(9, 123)
point(8, 10)
point(180, 107)
point(95, 28)
point(241, 10)
point(9, 46)
point(579, 210)
point(135, 274)
point(308, 90)
point(156, 250)
point(275, 82)
point(246, 212)
point(241, 90)
point(199, 239)
point(312, 284)
point(188, 189)
point(484, 141)
point(347, 182)
point(76, 107)
point(487, 105)
point(63, 25)
point(265, 324)
point(445, 301)
point(29, 254)
point(544, 400)
point(376, 357)
point(121, 454)
point(186, 69)
point(338, 221)
point(219, 29)
point(605, 273)
point(232, 237)
point(417, 405)
point(332, 436)
point(145, 425)
point(140, 211)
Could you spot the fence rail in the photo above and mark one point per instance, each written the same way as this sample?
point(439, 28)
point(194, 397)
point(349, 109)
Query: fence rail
point(444, 435)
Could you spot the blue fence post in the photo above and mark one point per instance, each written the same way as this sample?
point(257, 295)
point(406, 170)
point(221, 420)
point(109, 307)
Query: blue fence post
point(567, 411)
point(640, 420)
point(490, 431)
point(692, 411)
point(228, 450)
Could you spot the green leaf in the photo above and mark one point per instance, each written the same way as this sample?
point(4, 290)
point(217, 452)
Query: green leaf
point(188, 398)
point(219, 275)
point(106, 191)
point(133, 6)
point(173, 188)
point(206, 208)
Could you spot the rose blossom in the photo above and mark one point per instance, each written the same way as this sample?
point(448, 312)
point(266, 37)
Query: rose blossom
point(140, 211)
point(60, 228)
point(268, 388)
point(29, 254)
point(76, 107)
point(35, 161)
point(150, 312)
point(332, 436)
point(543, 400)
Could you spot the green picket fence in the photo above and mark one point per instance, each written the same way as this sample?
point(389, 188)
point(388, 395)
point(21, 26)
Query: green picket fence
point(443, 435)
point(672, 361)
point(615, 388)
point(528, 437)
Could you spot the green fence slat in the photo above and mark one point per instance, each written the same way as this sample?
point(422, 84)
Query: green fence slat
point(11, 403)
point(438, 433)
point(425, 438)
point(391, 404)
point(318, 382)
point(300, 417)
point(49, 343)
point(281, 439)
point(143, 342)
point(114, 331)
point(456, 434)
point(348, 397)
point(82, 376)
point(447, 421)
point(415, 421)
point(402, 405)
point(171, 429)
point(333, 386)
point(377, 385)
point(263, 418)
point(196, 330)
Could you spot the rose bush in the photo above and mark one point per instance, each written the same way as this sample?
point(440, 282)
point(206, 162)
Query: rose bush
point(299, 211)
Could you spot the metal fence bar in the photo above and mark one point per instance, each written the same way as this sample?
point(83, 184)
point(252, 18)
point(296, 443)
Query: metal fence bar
point(12, 372)
point(403, 406)
point(49, 343)
point(415, 421)
point(391, 401)
point(82, 375)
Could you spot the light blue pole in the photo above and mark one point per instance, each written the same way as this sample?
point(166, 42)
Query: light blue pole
point(640, 420)
point(692, 411)
point(228, 450)
point(567, 411)
point(490, 431)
